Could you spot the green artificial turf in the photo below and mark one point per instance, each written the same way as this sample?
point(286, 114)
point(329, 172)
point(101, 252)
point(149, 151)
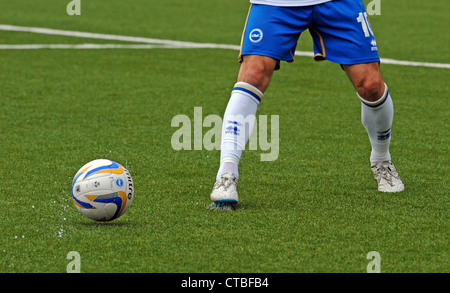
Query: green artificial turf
point(314, 209)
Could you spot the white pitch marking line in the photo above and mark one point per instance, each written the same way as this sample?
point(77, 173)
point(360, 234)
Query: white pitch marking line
point(83, 46)
point(162, 44)
point(413, 63)
point(181, 44)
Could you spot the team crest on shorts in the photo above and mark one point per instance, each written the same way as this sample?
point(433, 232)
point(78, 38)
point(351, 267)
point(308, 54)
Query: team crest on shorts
point(256, 35)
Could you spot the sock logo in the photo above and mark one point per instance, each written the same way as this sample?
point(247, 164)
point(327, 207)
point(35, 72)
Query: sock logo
point(234, 122)
point(264, 137)
point(233, 129)
point(383, 135)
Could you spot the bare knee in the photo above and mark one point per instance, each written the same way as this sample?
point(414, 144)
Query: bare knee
point(367, 80)
point(371, 89)
point(257, 71)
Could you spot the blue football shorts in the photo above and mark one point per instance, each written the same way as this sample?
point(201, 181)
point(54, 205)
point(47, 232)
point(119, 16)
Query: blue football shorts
point(340, 30)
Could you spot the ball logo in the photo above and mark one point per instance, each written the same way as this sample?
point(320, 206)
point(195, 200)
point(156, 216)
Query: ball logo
point(256, 35)
point(119, 182)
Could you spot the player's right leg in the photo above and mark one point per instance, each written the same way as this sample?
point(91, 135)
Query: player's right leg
point(265, 41)
point(253, 79)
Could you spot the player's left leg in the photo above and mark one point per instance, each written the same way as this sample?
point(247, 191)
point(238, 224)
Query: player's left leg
point(343, 34)
point(377, 112)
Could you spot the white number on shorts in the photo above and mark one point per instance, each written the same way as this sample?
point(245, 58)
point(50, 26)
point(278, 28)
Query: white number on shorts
point(364, 20)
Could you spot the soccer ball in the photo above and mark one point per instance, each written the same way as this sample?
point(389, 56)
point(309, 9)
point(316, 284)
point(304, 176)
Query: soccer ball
point(102, 190)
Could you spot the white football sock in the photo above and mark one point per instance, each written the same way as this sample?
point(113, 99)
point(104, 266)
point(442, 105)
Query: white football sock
point(377, 119)
point(238, 122)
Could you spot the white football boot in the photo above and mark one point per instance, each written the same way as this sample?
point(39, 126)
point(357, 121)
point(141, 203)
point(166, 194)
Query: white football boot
point(387, 177)
point(224, 193)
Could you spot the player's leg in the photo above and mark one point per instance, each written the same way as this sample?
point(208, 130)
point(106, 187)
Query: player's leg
point(253, 79)
point(377, 110)
point(342, 33)
point(377, 113)
point(265, 41)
